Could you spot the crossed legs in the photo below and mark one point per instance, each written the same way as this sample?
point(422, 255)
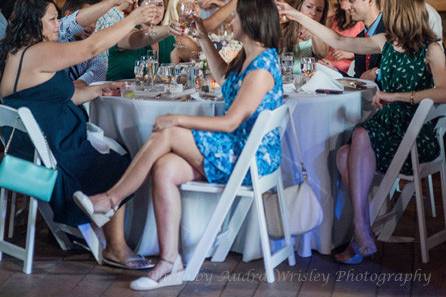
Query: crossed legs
point(357, 163)
point(173, 158)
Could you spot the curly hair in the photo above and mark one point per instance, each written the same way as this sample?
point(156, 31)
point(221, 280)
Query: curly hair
point(290, 30)
point(24, 28)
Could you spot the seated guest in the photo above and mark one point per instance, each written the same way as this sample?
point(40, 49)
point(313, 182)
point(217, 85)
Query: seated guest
point(298, 40)
point(32, 75)
point(367, 12)
point(186, 148)
point(411, 69)
point(343, 24)
point(94, 69)
point(122, 57)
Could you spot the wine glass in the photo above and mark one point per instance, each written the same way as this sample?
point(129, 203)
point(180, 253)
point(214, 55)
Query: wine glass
point(158, 4)
point(187, 11)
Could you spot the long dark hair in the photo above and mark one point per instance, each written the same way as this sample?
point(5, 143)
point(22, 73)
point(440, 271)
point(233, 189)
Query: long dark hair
point(259, 20)
point(24, 28)
point(291, 30)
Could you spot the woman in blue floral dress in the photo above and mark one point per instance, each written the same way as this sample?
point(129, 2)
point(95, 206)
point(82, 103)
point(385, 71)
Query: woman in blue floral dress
point(185, 148)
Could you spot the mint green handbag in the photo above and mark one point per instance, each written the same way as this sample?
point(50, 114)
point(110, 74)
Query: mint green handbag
point(25, 177)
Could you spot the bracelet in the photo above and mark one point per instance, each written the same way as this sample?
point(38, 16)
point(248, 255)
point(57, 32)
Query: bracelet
point(412, 97)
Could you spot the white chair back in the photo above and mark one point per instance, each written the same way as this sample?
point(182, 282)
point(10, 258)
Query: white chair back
point(266, 122)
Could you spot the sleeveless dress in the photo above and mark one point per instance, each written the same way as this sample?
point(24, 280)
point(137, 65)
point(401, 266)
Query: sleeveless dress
point(221, 150)
point(79, 165)
point(401, 72)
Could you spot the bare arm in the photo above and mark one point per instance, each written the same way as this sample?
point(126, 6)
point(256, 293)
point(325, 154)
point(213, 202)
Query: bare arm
point(254, 88)
point(372, 45)
point(84, 94)
point(89, 15)
point(58, 56)
point(216, 63)
point(320, 49)
point(141, 38)
point(215, 20)
point(437, 63)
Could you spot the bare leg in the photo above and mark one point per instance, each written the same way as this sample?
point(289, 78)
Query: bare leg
point(117, 248)
point(177, 140)
point(356, 164)
point(362, 165)
point(342, 157)
point(168, 172)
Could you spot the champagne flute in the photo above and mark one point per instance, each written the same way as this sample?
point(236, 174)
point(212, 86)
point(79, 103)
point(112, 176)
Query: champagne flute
point(158, 5)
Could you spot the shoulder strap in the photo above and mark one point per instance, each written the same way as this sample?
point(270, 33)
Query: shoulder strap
point(20, 69)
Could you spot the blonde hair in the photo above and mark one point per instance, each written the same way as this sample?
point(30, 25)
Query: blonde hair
point(171, 13)
point(407, 24)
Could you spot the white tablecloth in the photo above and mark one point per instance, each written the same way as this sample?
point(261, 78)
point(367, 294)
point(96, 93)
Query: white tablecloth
point(320, 121)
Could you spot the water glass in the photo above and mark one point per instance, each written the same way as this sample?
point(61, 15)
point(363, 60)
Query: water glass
point(166, 72)
point(287, 63)
point(308, 66)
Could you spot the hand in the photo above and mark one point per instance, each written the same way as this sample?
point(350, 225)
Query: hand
point(382, 98)
point(111, 89)
point(142, 14)
point(206, 4)
point(176, 29)
point(304, 34)
point(164, 122)
point(343, 55)
point(124, 4)
point(369, 74)
point(286, 11)
point(200, 29)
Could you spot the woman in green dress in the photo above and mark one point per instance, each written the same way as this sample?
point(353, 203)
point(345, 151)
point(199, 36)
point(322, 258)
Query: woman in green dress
point(122, 57)
point(413, 68)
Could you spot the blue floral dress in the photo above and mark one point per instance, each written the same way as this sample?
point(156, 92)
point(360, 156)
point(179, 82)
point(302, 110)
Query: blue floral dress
point(221, 150)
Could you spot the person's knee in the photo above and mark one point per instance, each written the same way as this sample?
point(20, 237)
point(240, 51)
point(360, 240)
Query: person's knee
point(342, 157)
point(360, 137)
point(163, 172)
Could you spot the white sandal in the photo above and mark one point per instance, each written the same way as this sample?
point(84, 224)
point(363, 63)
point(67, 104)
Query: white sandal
point(174, 278)
point(98, 217)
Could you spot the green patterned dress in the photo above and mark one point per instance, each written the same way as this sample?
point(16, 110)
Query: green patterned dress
point(401, 72)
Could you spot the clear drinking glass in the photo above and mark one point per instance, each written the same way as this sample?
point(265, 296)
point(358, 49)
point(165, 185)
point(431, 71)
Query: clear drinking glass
point(308, 66)
point(287, 63)
point(187, 11)
point(166, 72)
point(139, 72)
point(158, 4)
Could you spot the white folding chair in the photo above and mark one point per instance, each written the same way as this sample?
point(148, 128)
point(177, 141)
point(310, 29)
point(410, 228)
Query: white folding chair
point(265, 123)
point(24, 121)
point(386, 224)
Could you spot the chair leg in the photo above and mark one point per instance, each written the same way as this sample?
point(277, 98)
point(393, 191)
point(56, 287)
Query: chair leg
point(12, 216)
point(60, 236)
point(93, 240)
point(205, 244)
point(30, 236)
point(443, 190)
point(285, 220)
point(3, 205)
point(234, 226)
point(420, 206)
point(264, 238)
point(431, 196)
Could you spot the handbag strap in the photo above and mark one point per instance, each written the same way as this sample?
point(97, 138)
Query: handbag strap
point(8, 144)
point(299, 153)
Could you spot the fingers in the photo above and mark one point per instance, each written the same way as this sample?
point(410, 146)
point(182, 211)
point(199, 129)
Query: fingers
point(176, 29)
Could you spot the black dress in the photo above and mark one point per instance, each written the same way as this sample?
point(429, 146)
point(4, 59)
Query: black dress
point(64, 124)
